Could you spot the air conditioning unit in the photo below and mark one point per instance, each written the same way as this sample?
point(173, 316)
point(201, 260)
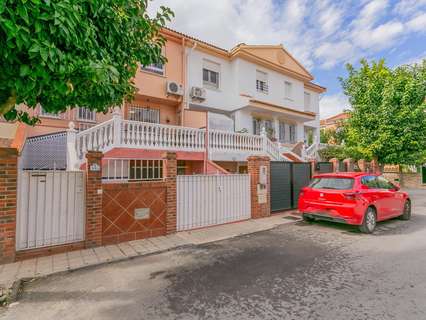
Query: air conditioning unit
point(174, 88)
point(198, 93)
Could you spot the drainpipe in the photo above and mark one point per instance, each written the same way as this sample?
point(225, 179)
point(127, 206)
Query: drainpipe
point(187, 78)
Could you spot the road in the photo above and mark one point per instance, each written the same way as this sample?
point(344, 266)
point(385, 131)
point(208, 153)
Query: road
point(296, 271)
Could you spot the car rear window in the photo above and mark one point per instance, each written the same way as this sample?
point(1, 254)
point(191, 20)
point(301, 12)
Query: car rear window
point(332, 183)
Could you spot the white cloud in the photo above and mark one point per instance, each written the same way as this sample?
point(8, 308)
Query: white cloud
point(333, 104)
point(319, 33)
point(417, 23)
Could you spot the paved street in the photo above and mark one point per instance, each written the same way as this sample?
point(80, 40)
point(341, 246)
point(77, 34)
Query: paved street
point(295, 271)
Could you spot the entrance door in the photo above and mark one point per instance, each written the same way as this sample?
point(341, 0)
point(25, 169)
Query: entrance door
point(287, 179)
point(281, 186)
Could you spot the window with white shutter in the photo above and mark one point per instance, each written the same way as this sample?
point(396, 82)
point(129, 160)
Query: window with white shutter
point(262, 81)
point(211, 72)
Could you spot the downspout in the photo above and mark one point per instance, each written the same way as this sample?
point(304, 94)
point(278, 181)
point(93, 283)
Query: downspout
point(186, 103)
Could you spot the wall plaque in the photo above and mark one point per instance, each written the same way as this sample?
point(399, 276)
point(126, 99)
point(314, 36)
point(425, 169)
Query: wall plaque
point(95, 167)
point(142, 213)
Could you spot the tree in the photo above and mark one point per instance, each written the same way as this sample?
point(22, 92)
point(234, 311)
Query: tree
point(64, 54)
point(388, 117)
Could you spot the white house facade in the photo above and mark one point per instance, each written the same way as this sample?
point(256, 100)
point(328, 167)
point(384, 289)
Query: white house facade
point(255, 88)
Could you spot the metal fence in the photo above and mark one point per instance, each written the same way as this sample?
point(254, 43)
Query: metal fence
point(120, 170)
point(205, 200)
point(51, 208)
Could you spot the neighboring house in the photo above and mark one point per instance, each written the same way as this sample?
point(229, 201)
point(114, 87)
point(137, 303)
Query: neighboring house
point(334, 121)
point(212, 106)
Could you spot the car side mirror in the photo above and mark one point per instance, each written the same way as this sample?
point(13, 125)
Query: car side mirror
point(395, 187)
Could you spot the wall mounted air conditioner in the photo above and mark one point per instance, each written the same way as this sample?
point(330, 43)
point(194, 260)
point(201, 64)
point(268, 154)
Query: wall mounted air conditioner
point(174, 88)
point(198, 93)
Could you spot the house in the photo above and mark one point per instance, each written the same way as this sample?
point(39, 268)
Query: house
point(334, 121)
point(212, 106)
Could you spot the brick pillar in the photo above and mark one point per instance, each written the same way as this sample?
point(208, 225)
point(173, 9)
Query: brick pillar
point(349, 163)
point(260, 203)
point(8, 190)
point(362, 164)
point(94, 199)
point(170, 171)
point(313, 167)
point(335, 163)
point(374, 166)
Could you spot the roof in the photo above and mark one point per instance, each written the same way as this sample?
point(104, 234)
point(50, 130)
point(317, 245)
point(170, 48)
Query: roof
point(286, 62)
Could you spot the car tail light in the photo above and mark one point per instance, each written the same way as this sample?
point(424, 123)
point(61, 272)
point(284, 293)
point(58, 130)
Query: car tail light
point(302, 192)
point(351, 195)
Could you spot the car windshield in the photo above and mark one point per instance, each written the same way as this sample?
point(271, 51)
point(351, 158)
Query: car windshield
point(332, 183)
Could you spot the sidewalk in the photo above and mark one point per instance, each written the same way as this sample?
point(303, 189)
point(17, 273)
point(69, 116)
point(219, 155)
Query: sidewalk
point(43, 266)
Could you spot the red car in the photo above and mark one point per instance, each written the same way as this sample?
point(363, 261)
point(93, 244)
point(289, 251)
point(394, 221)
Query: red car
point(353, 198)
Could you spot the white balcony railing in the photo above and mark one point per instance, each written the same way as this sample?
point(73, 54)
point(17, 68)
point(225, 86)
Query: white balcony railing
point(119, 133)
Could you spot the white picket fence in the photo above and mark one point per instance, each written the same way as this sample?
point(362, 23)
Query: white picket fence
point(206, 200)
point(51, 208)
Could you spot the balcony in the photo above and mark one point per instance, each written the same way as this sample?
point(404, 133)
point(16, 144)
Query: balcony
point(120, 133)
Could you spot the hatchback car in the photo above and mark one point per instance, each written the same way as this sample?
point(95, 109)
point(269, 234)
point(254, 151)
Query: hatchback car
point(353, 198)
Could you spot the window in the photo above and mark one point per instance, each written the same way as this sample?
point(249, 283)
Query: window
point(84, 114)
point(384, 184)
point(46, 114)
point(262, 81)
point(288, 88)
point(258, 124)
point(370, 181)
point(145, 169)
point(211, 74)
point(157, 68)
point(144, 114)
point(287, 132)
point(332, 183)
point(307, 101)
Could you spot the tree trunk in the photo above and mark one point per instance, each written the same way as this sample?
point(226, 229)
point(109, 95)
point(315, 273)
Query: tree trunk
point(8, 104)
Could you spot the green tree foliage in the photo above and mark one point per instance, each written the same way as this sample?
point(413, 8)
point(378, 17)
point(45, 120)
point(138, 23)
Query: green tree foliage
point(388, 119)
point(68, 53)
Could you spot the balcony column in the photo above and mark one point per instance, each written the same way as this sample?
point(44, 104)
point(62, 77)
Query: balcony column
point(300, 132)
point(72, 159)
point(116, 118)
point(277, 129)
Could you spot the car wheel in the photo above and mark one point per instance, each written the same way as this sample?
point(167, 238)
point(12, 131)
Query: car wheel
point(369, 222)
point(406, 215)
point(306, 218)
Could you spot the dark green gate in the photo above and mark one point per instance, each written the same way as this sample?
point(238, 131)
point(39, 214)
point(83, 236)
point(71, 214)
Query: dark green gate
point(287, 179)
point(281, 186)
point(324, 167)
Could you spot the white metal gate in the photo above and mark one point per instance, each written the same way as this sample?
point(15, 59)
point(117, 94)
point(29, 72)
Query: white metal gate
point(205, 200)
point(51, 208)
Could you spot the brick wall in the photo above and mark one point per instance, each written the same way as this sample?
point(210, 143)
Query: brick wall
point(259, 210)
point(119, 202)
point(170, 168)
point(412, 181)
point(94, 199)
point(8, 189)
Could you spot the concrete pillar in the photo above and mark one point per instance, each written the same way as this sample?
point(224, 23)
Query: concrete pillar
point(8, 195)
point(93, 199)
point(170, 172)
point(259, 171)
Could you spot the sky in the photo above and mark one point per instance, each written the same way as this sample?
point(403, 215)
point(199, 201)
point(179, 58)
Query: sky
point(323, 35)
